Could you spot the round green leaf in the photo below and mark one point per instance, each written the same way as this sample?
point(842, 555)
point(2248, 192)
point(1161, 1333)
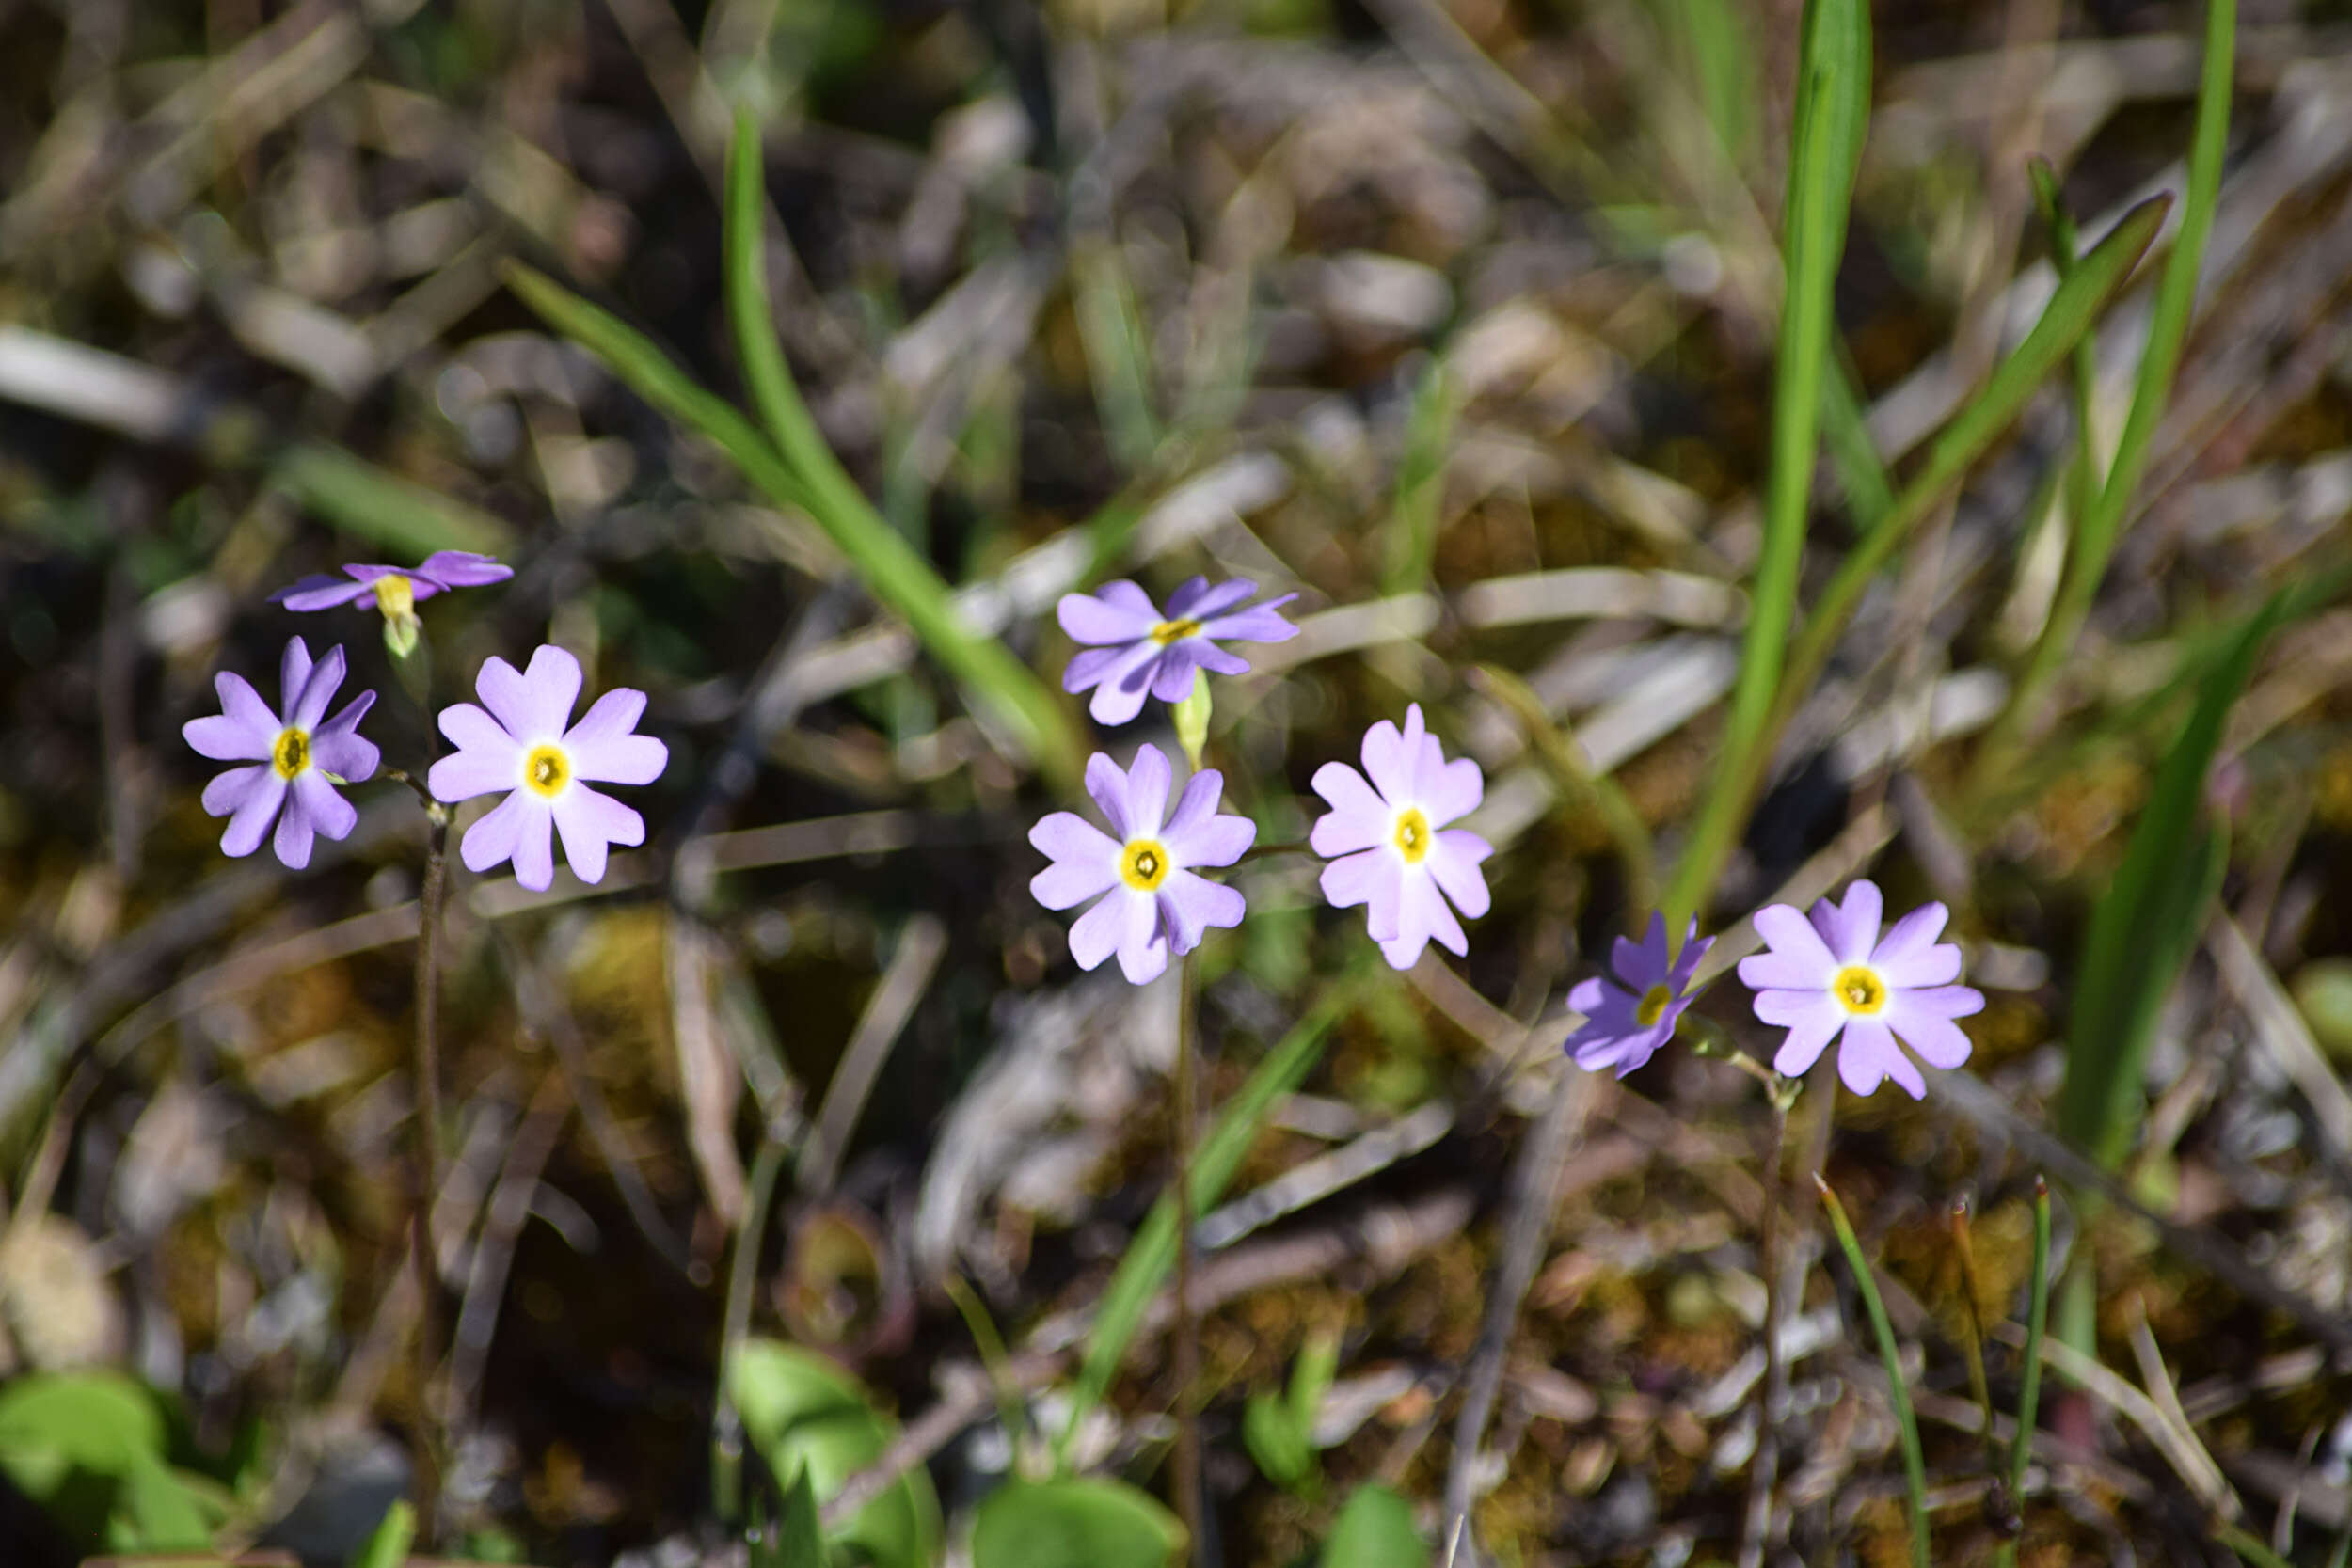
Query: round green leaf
point(1083, 1523)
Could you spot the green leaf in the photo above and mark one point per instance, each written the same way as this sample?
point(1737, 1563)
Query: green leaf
point(89, 1447)
point(813, 1421)
point(1274, 1439)
point(1833, 103)
point(386, 1546)
point(1079, 1523)
point(1375, 1530)
point(2147, 923)
point(361, 498)
point(798, 1539)
point(1153, 1253)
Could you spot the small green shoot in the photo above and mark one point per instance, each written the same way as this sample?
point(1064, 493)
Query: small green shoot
point(2029, 1377)
point(386, 1546)
point(1374, 1530)
point(1907, 1424)
point(1419, 506)
point(1278, 1429)
point(1080, 1522)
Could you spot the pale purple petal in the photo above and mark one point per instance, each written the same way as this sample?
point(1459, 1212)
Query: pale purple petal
point(325, 678)
point(1945, 1001)
point(1171, 677)
point(1216, 660)
point(371, 575)
point(1910, 956)
point(1793, 1006)
point(1374, 878)
point(1939, 1041)
point(1421, 905)
point(1453, 864)
point(1088, 665)
point(1359, 819)
point(1403, 953)
point(1085, 861)
point(1108, 786)
point(534, 705)
point(1118, 697)
point(1588, 996)
point(603, 750)
point(589, 821)
point(501, 687)
point(486, 759)
point(294, 671)
point(321, 592)
point(229, 790)
point(1389, 764)
point(1657, 961)
point(1448, 791)
point(1148, 779)
point(1868, 1055)
point(1094, 936)
point(494, 838)
point(292, 844)
point(1142, 948)
point(1196, 834)
point(1119, 611)
point(326, 812)
point(1853, 928)
point(461, 569)
point(1195, 600)
point(1190, 905)
point(1259, 623)
point(1686, 964)
point(1807, 1036)
point(253, 813)
point(244, 731)
point(1799, 958)
point(339, 748)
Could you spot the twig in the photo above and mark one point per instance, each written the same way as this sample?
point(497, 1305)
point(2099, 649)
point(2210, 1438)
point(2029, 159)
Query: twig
point(910, 971)
point(1527, 1227)
point(425, 1173)
point(494, 1248)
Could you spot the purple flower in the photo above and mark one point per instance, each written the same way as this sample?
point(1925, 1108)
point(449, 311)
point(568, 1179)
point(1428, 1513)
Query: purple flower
point(1136, 650)
point(1831, 973)
point(1156, 904)
point(1632, 1013)
point(1395, 857)
point(394, 590)
point(521, 746)
point(293, 756)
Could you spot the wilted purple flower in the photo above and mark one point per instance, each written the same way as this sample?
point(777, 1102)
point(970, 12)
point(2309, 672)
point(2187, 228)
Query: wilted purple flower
point(1136, 650)
point(1831, 973)
point(295, 755)
point(394, 590)
point(1156, 903)
point(1630, 1015)
point(1399, 857)
point(520, 745)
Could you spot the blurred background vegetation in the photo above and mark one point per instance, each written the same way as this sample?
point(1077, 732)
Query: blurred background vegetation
point(1455, 317)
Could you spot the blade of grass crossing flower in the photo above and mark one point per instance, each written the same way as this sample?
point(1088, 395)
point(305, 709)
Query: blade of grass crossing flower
point(2070, 312)
point(888, 566)
point(1418, 509)
point(2176, 296)
point(1833, 101)
point(1906, 1423)
point(1152, 1252)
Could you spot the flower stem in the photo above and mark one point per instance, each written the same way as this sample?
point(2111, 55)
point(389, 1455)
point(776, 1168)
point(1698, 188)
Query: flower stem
point(1899, 1392)
point(1765, 1469)
point(426, 1167)
point(1188, 1331)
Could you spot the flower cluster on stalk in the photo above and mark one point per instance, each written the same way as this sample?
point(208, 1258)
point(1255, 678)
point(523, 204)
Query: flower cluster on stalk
point(520, 741)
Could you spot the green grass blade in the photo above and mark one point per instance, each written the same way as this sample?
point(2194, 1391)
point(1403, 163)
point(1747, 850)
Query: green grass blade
point(1117, 351)
point(1870, 491)
point(893, 573)
point(2176, 295)
point(1832, 102)
point(1153, 1253)
point(2029, 1379)
point(1419, 507)
point(885, 563)
point(2249, 1548)
point(2070, 312)
point(362, 500)
point(2082, 474)
point(1906, 1423)
point(2147, 923)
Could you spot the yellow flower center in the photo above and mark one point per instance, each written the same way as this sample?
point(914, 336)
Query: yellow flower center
point(1144, 865)
point(1173, 631)
point(291, 756)
point(1647, 1012)
point(547, 769)
point(396, 596)
point(1412, 834)
point(1859, 990)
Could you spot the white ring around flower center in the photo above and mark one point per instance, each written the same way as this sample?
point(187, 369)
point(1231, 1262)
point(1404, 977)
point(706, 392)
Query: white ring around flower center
point(1143, 864)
